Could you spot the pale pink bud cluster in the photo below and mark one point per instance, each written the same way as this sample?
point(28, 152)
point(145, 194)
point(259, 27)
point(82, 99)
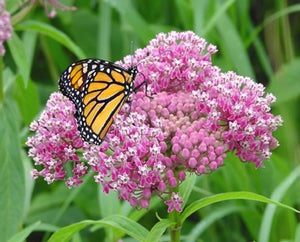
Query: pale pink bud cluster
point(192, 146)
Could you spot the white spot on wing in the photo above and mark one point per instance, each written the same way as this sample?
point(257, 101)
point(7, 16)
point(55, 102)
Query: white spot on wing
point(84, 67)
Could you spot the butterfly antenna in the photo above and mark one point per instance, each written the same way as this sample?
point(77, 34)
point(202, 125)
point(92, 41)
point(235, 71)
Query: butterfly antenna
point(145, 81)
point(131, 51)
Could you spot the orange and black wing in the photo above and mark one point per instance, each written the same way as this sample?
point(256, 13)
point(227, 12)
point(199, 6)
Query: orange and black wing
point(98, 90)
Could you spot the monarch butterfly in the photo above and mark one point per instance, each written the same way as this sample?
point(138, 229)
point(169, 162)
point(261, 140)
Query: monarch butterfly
point(98, 89)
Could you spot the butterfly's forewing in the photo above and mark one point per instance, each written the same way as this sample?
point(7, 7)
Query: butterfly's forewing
point(98, 90)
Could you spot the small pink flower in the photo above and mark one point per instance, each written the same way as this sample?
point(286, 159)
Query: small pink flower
point(5, 27)
point(174, 203)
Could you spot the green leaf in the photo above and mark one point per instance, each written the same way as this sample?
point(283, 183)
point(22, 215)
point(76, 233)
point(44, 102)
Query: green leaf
point(126, 225)
point(104, 30)
point(26, 97)
point(66, 233)
point(118, 222)
point(88, 26)
point(18, 53)
point(186, 187)
point(216, 17)
point(233, 45)
point(108, 203)
point(12, 188)
point(195, 206)
point(54, 33)
point(28, 182)
point(199, 19)
point(133, 19)
point(185, 13)
point(277, 195)
point(53, 206)
point(158, 230)
point(23, 234)
point(29, 40)
point(12, 5)
point(214, 216)
point(297, 234)
point(283, 12)
point(285, 84)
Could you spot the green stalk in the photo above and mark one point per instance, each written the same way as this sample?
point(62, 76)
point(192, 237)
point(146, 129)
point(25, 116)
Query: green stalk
point(174, 216)
point(104, 31)
point(1, 80)
point(286, 35)
point(175, 231)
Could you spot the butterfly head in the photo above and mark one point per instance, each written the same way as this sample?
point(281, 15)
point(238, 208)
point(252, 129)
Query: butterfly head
point(133, 70)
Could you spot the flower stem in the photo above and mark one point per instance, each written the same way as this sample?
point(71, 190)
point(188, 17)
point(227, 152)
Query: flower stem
point(18, 17)
point(175, 230)
point(174, 216)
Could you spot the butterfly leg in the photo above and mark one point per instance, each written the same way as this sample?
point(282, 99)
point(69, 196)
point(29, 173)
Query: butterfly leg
point(146, 88)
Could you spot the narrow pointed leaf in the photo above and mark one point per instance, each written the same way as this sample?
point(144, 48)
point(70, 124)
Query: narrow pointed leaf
point(12, 188)
point(158, 230)
point(118, 222)
point(54, 33)
point(195, 206)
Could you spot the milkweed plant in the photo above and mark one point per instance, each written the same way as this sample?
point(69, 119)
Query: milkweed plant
point(179, 126)
point(195, 116)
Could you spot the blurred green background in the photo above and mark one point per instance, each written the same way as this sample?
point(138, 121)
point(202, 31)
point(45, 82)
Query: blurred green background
point(260, 39)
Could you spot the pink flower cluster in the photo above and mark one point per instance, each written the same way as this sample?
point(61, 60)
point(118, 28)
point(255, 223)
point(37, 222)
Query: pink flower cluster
point(233, 109)
point(56, 142)
point(238, 106)
point(174, 61)
point(5, 27)
point(131, 160)
point(196, 115)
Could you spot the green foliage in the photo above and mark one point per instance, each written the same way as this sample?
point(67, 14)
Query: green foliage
point(11, 171)
point(122, 223)
point(255, 38)
point(18, 53)
point(287, 75)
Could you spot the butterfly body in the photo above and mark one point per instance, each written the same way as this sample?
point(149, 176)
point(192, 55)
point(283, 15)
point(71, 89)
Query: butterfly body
point(98, 89)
